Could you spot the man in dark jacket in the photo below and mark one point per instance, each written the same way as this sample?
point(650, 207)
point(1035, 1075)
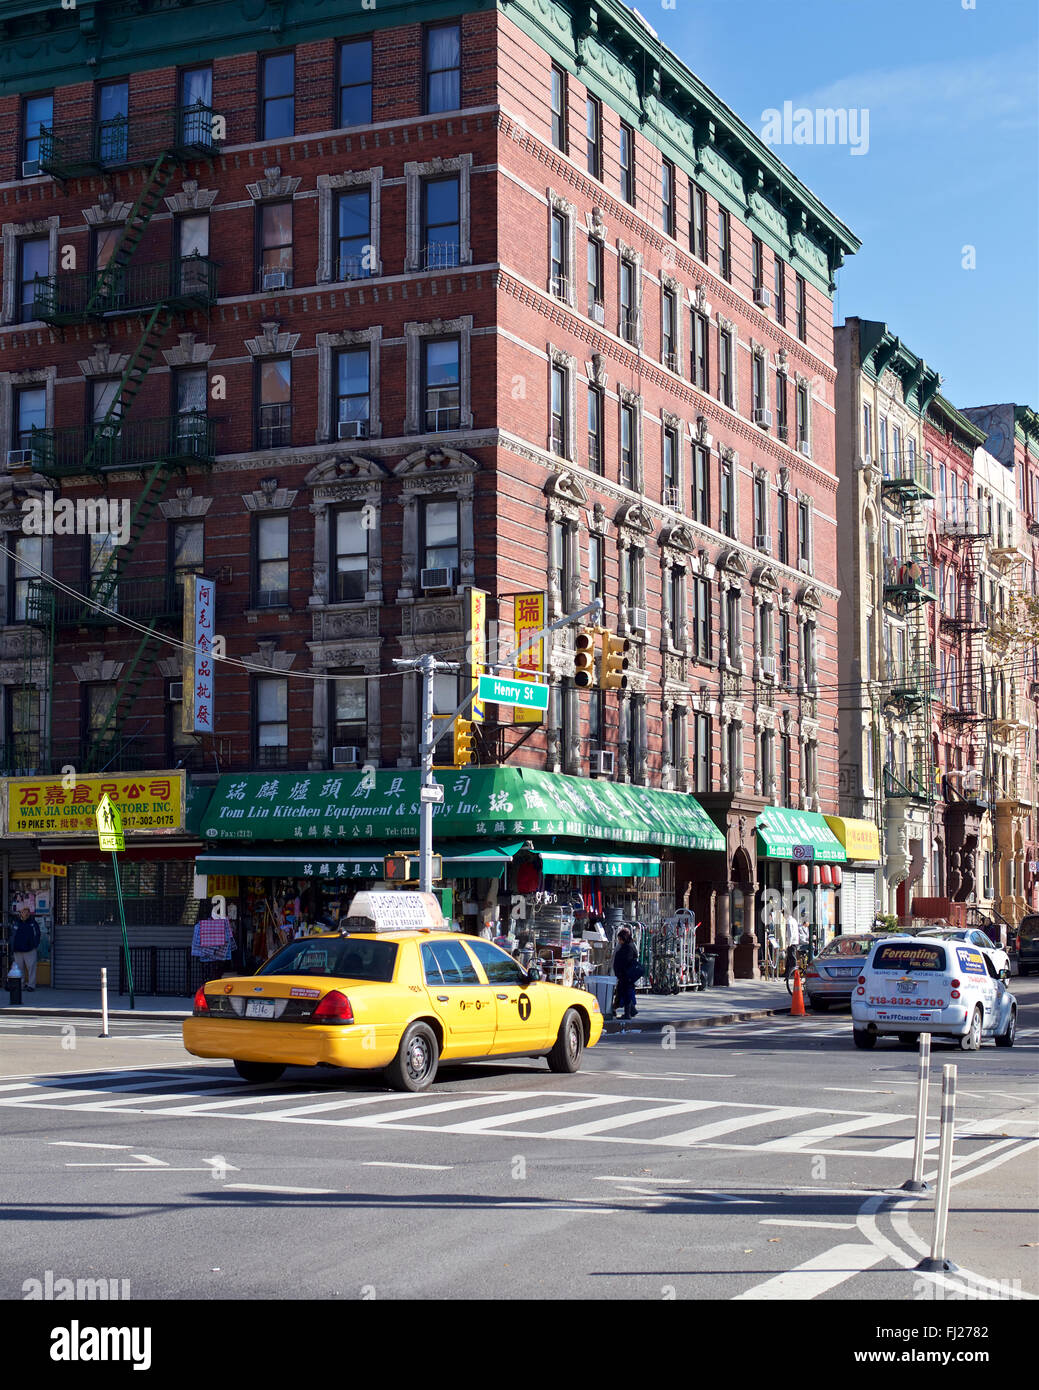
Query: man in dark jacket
point(626, 968)
point(24, 941)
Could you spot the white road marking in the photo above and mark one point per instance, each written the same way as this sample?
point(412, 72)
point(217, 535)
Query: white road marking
point(634, 1118)
point(683, 1181)
point(733, 1123)
point(431, 1167)
point(791, 1143)
point(822, 1225)
point(817, 1275)
point(288, 1191)
point(518, 1116)
point(994, 1162)
point(78, 1144)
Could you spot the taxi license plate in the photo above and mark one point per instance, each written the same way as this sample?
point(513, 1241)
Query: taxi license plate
point(259, 1008)
point(844, 970)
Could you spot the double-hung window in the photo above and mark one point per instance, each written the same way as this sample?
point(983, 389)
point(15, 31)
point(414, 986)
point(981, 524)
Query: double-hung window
point(627, 163)
point(593, 136)
point(757, 256)
point(867, 431)
point(187, 552)
point(760, 513)
point(560, 268)
point(191, 398)
point(33, 260)
point(443, 68)
point(779, 291)
point(757, 387)
point(701, 599)
point(196, 106)
point(782, 530)
point(784, 648)
point(278, 99)
point(727, 506)
point(271, 572)
point(26, 565)
point(672, 497)
point(559, 109)
point(440, 540)
point(30, 412)
point(629, 305)
point(275, 246)
point(802, 418)
point(441, 383)
point(801, 309)
point(37, 115)
point(271, 720)
point(274, 422)
point(698, 222)
point(596, 415)
point(669, 313)
point(350, 539)
point(700, 350)
point(348, 711)
point(596, 585)
point(113, 122)
point(725, 366)
point(676, 613)
point(560, 391)
point(804, 536)
point(702, 740)
point(701, 485)
point(669, 198)
point(596, 280)
point(441, 222)
point(628, 446)
point(354, 227)
point(353, 393)
point(354, 83)
point(192, 234)
point(732, 625)
point(724, 245)
point(782, 419)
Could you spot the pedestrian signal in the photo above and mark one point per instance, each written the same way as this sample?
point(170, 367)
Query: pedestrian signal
point(398, 868)
point(584, 662)
point(615, 663)
point(464, 753)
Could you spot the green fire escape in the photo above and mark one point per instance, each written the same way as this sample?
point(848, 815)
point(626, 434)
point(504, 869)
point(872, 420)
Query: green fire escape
point(153, 448)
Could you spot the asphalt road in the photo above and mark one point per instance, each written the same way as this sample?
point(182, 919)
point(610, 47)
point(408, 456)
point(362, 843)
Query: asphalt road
point(754, 1161)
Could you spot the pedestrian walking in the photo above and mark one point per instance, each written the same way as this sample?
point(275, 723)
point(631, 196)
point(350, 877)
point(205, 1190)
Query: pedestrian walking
point(628, 971)
point(24, 944)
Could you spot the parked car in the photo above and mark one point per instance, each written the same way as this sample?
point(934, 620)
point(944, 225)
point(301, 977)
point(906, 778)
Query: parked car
point(1026, 944)
point(918, 984)
point(830, 978)
point(976, 937)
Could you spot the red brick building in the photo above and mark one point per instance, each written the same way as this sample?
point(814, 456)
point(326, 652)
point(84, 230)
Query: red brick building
point(389, 311)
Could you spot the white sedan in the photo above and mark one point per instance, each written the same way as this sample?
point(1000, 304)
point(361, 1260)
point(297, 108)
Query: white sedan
point(974, 936)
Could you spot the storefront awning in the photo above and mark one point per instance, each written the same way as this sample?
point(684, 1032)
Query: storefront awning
point(499, 802)
point(860, 838)
point(561, 861)
point(459, 860)
point(800, 835)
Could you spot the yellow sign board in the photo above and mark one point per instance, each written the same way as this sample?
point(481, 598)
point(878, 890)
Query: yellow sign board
point(55, 870)
point(149, 804)
point(109, 826)
point(529, 618)
point(478, 647)
point(860, 838)
point(222, 885)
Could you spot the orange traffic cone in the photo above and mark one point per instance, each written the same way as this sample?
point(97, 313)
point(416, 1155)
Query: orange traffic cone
point(797, 1008)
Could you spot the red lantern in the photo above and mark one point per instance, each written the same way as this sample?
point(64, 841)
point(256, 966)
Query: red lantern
point(825, 871)
point(837, 875)
point(815, 875)
point(802, 874)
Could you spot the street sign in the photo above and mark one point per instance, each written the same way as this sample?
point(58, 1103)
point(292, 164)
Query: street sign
point(502, 690)
point(433, 794)
point(58, 870)
point(109, 825)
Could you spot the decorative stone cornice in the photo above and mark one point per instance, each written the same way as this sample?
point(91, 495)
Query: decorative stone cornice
point(274, 184)
point(567, 487)
point(184, 506)
point(104, 362)
point(187, 352)
point(277, 499)
point(441, 459)
point(271, 342)
point(106, 211)
point(191, 198)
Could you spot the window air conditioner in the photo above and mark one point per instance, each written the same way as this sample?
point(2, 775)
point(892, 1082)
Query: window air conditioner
point(784, 433)
point(761, 542)
point(598, 313)
point(763, 297)
point(600, 762)
point(805, 448)
point(671, 497)
point(19, 458)
point(768, 666)
point(763, 417)
point(353, 429)
point(638, 619)
point(441, 578)
point(176, 691)
point(275, 280)
point(804, 566)
point(346, 756)
point(30, 168)
point(561, 287)
point(671, 361)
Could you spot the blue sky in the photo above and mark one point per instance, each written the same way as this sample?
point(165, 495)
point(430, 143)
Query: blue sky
point(952, 160)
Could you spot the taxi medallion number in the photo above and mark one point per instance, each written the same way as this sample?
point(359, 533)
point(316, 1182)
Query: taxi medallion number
point(259, 1008)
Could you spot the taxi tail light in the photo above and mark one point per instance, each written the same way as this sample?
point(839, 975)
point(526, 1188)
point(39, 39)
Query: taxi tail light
point(200, 1005)
point(333, 1008)
point(862, 979)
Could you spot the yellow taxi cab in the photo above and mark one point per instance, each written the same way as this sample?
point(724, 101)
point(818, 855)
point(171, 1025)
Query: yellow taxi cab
point(396, 1001)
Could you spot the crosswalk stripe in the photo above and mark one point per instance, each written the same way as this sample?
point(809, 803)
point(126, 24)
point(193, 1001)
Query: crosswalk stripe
point(637, 1118)
point(38, 1090)
point(791, 1143)
point(732, 1124)
point(519, 1116)
point(315, 1109)
point(444, 1105)
point(819, 1274)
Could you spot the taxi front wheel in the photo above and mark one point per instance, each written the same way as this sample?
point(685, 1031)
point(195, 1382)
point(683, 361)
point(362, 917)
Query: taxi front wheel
point(415, 1065)
point(864, 1038)
point(569, 1049)
point(258, 1071)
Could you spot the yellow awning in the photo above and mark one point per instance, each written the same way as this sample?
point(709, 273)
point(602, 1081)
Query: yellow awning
point(860, 838)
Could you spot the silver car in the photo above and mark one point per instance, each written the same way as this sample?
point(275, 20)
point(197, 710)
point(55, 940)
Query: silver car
point(974, 936)
point(831, 977)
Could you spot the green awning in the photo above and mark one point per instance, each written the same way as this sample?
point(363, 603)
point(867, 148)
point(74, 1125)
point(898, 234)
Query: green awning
point(801, 835)
point(597, 865)
point(358, 809)
point(475, 861)
point(460, 860)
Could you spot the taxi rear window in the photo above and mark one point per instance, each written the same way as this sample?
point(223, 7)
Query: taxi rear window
point(347, 957)
point(849, 946)
point(909, 955)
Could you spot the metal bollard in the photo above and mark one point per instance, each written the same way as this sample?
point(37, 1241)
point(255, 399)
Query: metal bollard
point(104, 1003)
point(916, 1182)
point(936, 1263)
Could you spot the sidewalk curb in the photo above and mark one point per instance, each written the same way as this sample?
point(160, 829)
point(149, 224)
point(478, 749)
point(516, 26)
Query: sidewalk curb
point(164, 1016)
point(685, 1024)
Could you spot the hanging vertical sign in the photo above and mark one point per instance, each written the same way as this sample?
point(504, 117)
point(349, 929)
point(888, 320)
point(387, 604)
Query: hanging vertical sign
point(529, 618)
point(199, 609)
point(477, 648)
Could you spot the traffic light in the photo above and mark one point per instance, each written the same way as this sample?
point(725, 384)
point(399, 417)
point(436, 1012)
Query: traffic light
point(615, 662)
point(584, 664)
point(464, 753)
point(398, 868)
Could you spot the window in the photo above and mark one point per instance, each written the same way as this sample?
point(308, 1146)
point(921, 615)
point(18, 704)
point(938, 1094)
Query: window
point(353, 393)
point(99, 701)
point(559, 560)
point(757, 385)
point(354, 222)
point(593, 136)
point(757, 264)
point(275, 246)
point(443, 68)
point(802, 419)
point(278, 102)
point(701, 341)
point(808, 674)
point(702, 739)
point(560, 391)
point(761, 513)
point(782, 418)
point(350, 548)
point(633, 577)
point(446, 963)
point(37, 115)
point(22, 731)
point(767, 761)
point(670, 468)
point(669, 310)
point(786, 790)
point(724, 245)
point(196, 106)
point(192, 235)
point(732, 625)
point(782, 529)
point(33, 260)
point(441, 383)
point(560, 269)
point(439, 544)
point(628, 446)
point(727, 507)
point(271, 721)
point(274, 423)
point(104, 397)
point(896, 450)
point(348, 712)
point(627, 154)
point(355, 83)
point(701, 601)
point(812, 768)
point(30, 412)
point(629, 307)
point(499, 968)
point(596, 457)
point(596, 581)
point(24, 567)
point(187, 550)
point(725, 366)
point(559, 109)
point(669, 197)
point(883, 446)
point(765, 633)
point(441, 223)
point(804, 538)
point(784, 648)
point(113, 109)
point(191, 394)
point(596, 281)
point(801, 309)
point(701, 486)
point(779, 285)
point(698, 222)
point(101, 570)
point(734, 750)
point(105, 240)
point(271, 548)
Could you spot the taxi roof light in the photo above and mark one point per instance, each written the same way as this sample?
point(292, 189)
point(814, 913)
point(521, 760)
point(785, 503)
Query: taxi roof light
point(200, 1006)
point(335, 1007)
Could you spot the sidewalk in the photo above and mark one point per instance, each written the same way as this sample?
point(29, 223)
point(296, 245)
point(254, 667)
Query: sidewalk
point(746, 999)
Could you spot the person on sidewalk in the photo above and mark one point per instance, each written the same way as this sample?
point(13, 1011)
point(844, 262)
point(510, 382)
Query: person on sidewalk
point(213, 941)
point(24, 943)
point(628, 971)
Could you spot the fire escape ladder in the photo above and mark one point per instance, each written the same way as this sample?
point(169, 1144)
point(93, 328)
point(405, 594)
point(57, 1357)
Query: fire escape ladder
point(108, 283)
point(125, 695)
point(103, 448)
point(106, 583)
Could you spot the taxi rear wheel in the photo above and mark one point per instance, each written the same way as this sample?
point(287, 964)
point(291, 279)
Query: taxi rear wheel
point(1006, 1039)
point(971, 1040)
point(415, 1065)
point(259, 1071)
point(569, 1049)
point(864, 1038)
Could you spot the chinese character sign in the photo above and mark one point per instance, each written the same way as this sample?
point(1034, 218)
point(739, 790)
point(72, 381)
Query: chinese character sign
point(144, 804)
point(478, 647)
point(529, 619)
point(199, 611)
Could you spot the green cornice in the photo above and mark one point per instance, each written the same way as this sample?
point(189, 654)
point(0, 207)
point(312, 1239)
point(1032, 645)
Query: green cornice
point(880, 350)
point(954, 422)
point(1026, 426)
